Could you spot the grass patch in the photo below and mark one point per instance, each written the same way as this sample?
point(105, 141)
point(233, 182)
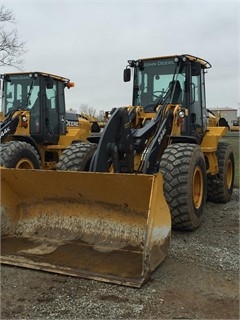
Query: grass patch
point(233, 139)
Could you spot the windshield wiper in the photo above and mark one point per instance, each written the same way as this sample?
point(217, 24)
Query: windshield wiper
point(170, 90)
point(26, 100)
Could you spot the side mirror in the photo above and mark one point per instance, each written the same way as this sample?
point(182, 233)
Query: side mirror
point(127, 75)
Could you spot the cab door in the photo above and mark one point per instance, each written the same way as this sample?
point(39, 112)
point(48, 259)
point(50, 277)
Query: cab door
point(198, 113)
point(51, 128)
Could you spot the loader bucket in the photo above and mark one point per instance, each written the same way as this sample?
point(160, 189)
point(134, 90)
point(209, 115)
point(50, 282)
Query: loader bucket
point(108, 227)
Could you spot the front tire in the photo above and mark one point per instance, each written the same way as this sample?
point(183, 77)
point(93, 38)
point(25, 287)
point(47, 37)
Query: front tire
point(220, 186)
point(77, 157)
point(185, 184)
point(19, 155)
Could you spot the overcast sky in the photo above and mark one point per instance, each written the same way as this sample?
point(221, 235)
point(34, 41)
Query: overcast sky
point(89, 42)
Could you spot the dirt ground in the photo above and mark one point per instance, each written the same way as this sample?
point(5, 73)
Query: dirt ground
point(198, 280)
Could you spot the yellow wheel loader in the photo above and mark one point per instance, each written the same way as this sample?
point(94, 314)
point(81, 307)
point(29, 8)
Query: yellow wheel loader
point(35, 127)
point(106, 213)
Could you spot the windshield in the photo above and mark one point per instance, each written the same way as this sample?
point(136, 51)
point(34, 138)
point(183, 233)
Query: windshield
point(20, 92)
point(159, 82)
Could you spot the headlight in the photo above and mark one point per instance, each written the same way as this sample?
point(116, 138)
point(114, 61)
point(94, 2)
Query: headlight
point(181, 114)
point(24, 122)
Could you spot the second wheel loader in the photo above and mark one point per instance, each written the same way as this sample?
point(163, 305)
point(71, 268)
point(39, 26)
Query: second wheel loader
point(156, 163)
point(35, 127)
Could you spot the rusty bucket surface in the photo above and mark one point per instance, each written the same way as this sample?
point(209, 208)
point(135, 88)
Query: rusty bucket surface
point(108, 227)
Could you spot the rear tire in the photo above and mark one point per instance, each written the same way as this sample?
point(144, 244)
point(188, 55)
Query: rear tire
point(220, 186)
point(77, 157)
point(185, 183)
point(19, 155)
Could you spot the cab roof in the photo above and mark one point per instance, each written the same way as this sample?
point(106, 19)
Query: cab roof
point(44, 74)
point(203, 62)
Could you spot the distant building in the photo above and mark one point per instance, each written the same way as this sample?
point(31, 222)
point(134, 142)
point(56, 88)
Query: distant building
point(230, 114)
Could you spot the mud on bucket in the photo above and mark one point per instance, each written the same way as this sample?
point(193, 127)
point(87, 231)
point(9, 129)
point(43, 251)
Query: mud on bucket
point(109, 227)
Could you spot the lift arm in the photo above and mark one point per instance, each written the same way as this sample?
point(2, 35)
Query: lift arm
point(8, 126)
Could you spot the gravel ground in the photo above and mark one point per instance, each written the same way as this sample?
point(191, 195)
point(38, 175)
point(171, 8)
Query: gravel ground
point(198, 280)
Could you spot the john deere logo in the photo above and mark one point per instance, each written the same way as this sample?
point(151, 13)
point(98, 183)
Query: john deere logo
point(71, 123)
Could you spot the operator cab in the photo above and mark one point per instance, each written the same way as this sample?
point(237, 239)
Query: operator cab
point(43, 95)
point(172, 80)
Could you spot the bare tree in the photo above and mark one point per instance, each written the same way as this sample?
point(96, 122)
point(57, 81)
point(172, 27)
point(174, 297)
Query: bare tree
point(11, 47)
point(85, 109)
